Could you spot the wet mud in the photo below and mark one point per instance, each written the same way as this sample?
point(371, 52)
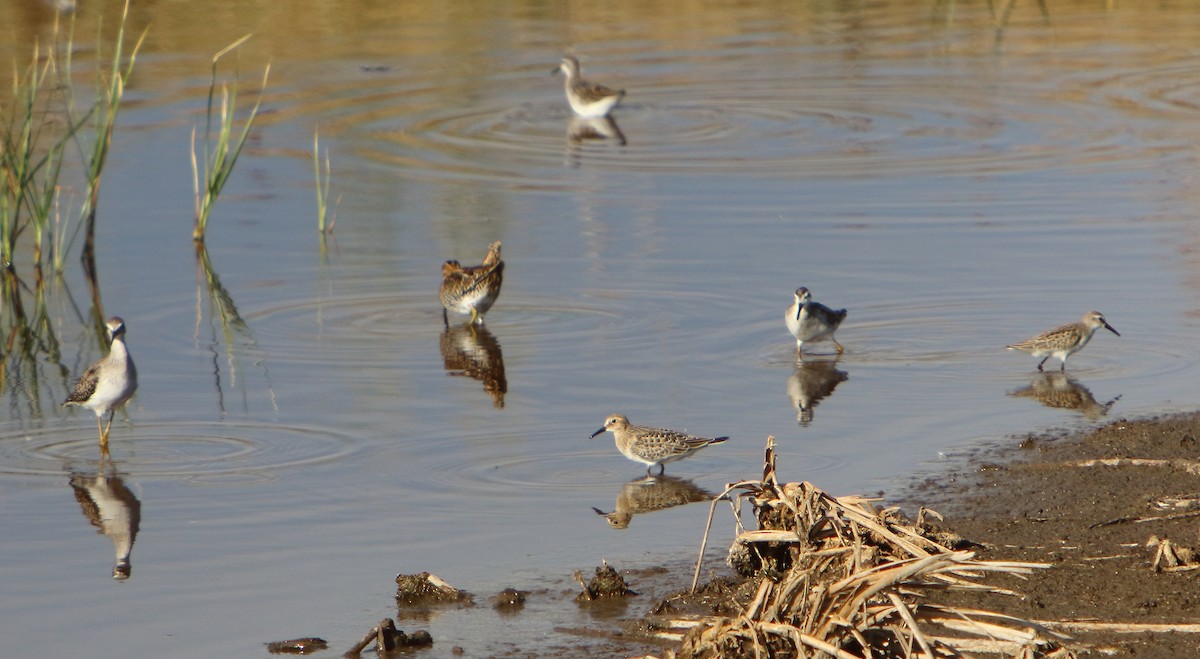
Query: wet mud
point(1096, 506)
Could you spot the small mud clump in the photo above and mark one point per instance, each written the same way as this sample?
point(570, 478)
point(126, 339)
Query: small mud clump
point(297, 646)
point(607, 584)
point(509, 600)
point(425, 588)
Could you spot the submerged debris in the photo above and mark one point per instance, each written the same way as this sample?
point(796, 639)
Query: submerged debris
point(607, 584)
point(387, 638)
point(509, 599)
point(425, 588)
point(297, 646)
point(836, 576)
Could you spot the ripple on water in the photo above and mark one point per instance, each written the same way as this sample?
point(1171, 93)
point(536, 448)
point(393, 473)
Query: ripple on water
point(575, 465)
point(1171, 88)
point(352, 328)
point(901, 120)
point(229, 452)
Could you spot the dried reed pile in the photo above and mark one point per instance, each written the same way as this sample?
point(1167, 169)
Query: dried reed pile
point(838, 577)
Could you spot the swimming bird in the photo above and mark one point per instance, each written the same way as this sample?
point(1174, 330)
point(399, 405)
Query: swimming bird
point(1062, 342)
point(109, 383)
point(812, 321)
point(588, 99)
point(653, 446)
point(471, 289)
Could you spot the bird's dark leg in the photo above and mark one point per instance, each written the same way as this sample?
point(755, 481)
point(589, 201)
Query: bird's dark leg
point(662, 469)
point(1040, 364)
point(445, 318)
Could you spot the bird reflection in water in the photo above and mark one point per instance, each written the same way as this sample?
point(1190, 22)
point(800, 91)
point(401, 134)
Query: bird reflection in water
point(113, 509)
point(810, 383)
point(581, 132)
point(651, 493)
point(473, 351)
point(1060, 391)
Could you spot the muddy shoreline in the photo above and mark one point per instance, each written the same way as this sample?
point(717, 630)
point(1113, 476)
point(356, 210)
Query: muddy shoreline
point(1090, 504)
point(1087, 503)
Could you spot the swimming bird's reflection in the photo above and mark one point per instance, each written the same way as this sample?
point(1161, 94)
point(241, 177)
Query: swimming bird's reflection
point(113, 509)
point(1060, 391)
point(651, 493)
point(811, 382)
point(473, 351)
point(579, 130)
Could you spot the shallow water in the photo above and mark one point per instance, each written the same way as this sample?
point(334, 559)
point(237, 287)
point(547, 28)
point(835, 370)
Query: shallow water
point(956, 185)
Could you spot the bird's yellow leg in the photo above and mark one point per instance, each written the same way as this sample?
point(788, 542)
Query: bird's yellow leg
point(840, 349)
point(104, 435)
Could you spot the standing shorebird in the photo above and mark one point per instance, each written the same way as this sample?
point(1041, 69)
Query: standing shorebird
point(652, 446)
point(1062, 341)
point(471, 289)
point(812, 321)
point(109, 383)
point(588, 99)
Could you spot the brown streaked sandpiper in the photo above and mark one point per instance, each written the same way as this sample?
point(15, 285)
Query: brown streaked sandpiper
point(652, 446)
point(471, 289)
point(1062, 342)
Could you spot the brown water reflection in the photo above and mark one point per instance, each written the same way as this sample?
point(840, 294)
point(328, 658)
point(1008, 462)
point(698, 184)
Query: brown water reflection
point(1060, 391)
point(113, 509)
point(812, 381)
point(472, 350)
point(651, 493)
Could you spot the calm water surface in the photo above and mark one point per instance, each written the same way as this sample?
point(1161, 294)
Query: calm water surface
point(305, 429)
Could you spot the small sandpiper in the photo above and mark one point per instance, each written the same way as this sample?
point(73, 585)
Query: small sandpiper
point(653, 446)
point(109, 383)
point(471, 289)
point(588, 99)
point(812, 321)
point(1061, 342)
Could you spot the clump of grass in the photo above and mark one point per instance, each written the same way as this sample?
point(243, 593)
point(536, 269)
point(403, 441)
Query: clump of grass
point(34, 141)
point(221, 150)
point(324, 222)
point(28, 170)
point(103, 115)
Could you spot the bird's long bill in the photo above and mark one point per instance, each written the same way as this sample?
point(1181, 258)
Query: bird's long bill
point(556, 69)
point(1110, 328)
point(596, 433)
point(799, 309)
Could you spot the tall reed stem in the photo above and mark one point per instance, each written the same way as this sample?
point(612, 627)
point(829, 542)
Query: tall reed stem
point(220, 153)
